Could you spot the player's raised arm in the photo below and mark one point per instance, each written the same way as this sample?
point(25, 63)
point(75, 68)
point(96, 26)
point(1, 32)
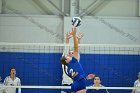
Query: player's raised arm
point(76, 50)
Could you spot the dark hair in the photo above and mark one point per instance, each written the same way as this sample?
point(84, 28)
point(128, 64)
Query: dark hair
point(12, 68)
point(63, 60)
point(96, 76)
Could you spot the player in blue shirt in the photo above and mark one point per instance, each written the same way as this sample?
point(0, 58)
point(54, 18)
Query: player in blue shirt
point(75, 70)
point(67, 81)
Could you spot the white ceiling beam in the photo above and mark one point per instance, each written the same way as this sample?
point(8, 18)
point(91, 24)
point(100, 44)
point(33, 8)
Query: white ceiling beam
point(0, 6)
point(139, 7)
point(99, 7)
point(62, 5)
point(96, 7)
point(92, 7)
point(60, 11)
point(42, 6)
point(86, 9)
point(3, 6)
point(74, 5)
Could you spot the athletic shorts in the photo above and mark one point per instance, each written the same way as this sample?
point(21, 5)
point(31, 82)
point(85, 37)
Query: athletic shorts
point(78, 85)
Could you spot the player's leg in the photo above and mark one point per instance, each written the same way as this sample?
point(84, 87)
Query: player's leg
point(81, 91)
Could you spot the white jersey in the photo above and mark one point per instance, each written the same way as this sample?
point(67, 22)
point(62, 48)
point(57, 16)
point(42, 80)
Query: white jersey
point(66, 79)
point(9, 82)
point(137, 84)
point(2, 90)
point(100, 86)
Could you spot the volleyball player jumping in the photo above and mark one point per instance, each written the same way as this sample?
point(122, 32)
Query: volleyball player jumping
point(75, 69)
point(67, 81)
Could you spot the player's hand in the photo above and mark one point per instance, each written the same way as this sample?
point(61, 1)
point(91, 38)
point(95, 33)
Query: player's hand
point(80, 35)
point(68, 35)
point(90, 76)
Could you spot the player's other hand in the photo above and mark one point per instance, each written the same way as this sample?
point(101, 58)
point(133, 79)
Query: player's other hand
point(80, 35)
point(68, 35)
point(90, 76)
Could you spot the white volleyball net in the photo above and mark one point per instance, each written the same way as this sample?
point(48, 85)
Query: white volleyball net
point(38, 65)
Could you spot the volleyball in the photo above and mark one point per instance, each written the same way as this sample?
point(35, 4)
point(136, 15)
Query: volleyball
point(76, 21)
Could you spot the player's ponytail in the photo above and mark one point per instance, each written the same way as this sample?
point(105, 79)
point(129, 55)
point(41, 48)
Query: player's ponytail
point(63, 60)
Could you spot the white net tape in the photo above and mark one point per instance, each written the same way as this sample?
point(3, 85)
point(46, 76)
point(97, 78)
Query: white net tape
point(68, 87)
